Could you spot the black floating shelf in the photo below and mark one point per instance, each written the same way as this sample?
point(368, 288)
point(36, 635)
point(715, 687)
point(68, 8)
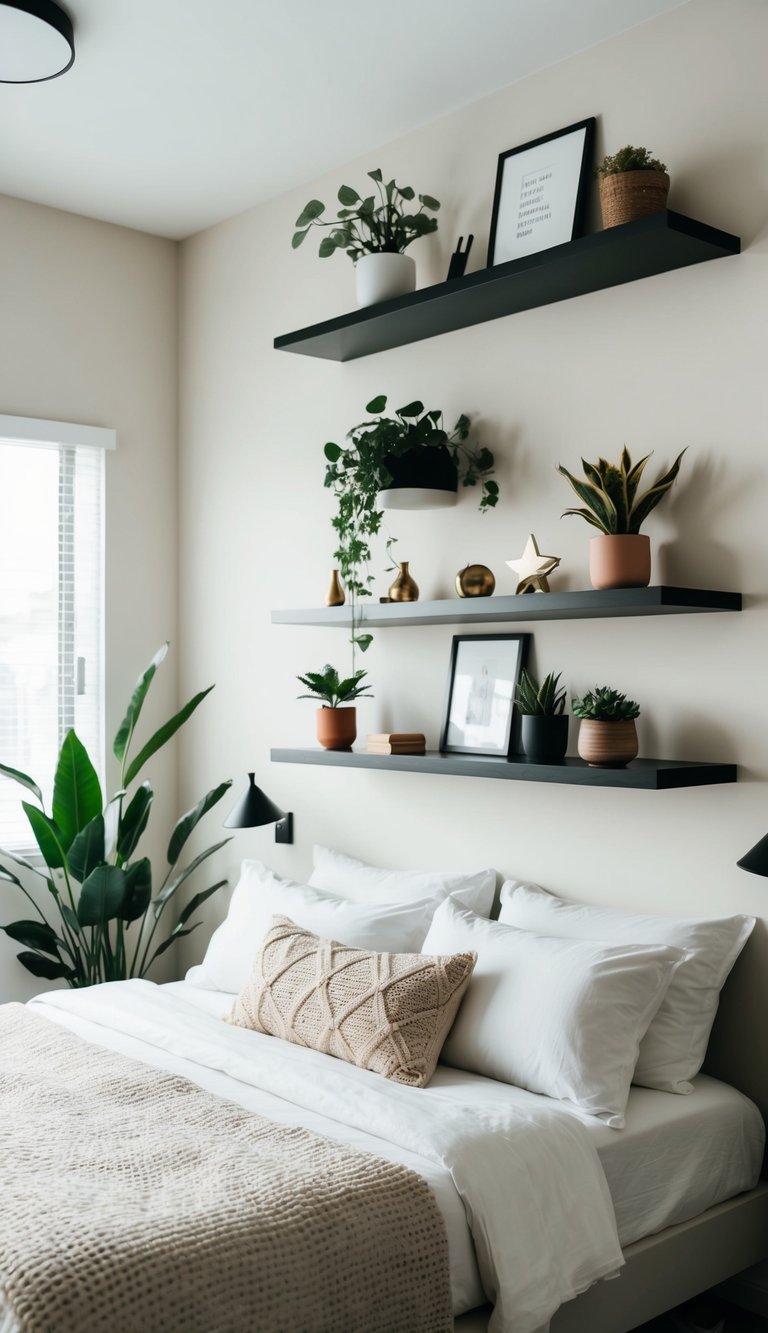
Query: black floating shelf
point(649, 774)
point(656, 244)
point(587, 604)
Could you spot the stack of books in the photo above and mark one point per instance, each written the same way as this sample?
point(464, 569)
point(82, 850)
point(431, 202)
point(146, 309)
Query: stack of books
point(397, 742)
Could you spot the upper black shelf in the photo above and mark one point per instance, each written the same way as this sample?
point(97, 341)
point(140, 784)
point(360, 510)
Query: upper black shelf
point(656, 244)
point(584, 604)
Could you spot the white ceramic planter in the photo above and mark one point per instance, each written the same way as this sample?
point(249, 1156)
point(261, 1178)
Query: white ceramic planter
point(382, 277)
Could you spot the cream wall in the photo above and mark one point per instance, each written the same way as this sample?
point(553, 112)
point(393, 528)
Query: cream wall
point(88, 334)
point(671, 361)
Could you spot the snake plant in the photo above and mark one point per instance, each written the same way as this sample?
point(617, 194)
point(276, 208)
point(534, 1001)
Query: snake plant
point(610, 493)
point(545, 700)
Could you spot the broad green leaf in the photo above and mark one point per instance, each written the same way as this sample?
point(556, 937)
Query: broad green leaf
point(414, 409)
point(35, 935)
point(332, 452)
point(596, 500)
point(134, 821)
point(327, 247)
point(101, 896)
point(44, 967)
point(163, 735)
point(138, 890)
point(23, 779)
point(192, 818)
point(87, 850)
point(47, 836)
point(309, 213)
point(76, 790)
point(297, 238)
point(429, 202)
point(347, 196)
point(377, 405)
point(198, 901)
point(376, 175)
point(128, 725)
point(363, 642)
point(71, 918)
point(176, 883)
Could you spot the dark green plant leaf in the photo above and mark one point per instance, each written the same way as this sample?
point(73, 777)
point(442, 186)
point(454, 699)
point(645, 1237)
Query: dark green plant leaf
point(192, 818)
point(76, 790)
point(364, 642)
point(128, 725)
point(22, 778)
point(101, 896)
point(651, 497)
point(309, 213)
point(47, 836)
point(164, 734)
point(87, 850)
point(35, 935)
point(44, 967)
point(175, 935)
point(71, 918)
point(327, 247)
point(429, 202)
point(332, 452)
point(297, 238)
point(376, 175)
point(413, 409)
point(347, 196)
point(198, 901)
point(170, 889)
point(377, 405)
point(138, 890)
point(134, 821)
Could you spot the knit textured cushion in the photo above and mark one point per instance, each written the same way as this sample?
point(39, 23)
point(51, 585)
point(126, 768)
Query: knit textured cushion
point(387, 1012)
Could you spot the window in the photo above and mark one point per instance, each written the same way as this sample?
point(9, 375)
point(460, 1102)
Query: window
point(51, 603)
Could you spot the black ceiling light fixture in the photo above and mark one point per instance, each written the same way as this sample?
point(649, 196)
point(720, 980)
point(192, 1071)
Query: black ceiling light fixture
point(37, 41)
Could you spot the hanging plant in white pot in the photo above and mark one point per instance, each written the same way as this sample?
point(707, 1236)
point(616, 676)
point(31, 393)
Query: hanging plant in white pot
point(375, 232)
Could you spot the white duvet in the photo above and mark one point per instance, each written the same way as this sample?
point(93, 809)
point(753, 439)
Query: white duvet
point(529, 1178)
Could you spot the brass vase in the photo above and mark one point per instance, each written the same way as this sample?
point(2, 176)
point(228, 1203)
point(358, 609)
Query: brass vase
point(335, 595)
point(404, 588)
point(475, 581)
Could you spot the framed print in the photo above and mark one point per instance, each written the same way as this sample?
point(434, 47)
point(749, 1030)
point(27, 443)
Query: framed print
point(482, 681)
point(541, 192)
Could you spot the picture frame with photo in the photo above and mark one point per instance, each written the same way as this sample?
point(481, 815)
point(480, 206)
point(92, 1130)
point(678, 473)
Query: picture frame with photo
point(541, 193)
point(480, 713)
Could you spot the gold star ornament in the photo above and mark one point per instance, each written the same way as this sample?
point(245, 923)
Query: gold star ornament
point(532, 568)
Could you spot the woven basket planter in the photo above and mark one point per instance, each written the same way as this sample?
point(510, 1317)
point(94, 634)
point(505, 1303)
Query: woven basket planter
point(626, 196)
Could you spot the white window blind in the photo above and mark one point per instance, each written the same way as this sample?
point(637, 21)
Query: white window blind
point(51, 607)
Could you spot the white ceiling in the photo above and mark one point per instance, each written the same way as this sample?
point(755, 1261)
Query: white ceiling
point(178, 113)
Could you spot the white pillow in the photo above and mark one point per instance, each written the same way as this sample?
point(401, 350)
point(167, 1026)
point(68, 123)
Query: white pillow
point(562, 1017)
point(361, 883)
point(260, 894)
point(674, 1047)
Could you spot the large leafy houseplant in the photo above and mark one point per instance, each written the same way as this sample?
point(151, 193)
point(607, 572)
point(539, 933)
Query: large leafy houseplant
point(378, 223)
point(359, 470)
point(103, 908)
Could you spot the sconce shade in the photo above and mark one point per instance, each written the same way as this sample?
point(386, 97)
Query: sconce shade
point(253, 809)
point(756, 859)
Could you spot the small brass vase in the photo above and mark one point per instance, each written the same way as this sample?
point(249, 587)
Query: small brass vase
point(335, 595)
point(404, 588)
point(475, 581)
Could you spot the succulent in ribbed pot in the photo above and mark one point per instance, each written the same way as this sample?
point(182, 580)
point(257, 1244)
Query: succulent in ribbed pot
point(544, 723)
point(633, 185)
point(607, 734)
point(621, 556)
point(336, 719)
point(104, 907)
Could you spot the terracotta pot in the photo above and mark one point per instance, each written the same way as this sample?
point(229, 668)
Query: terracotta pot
point(336, 728)
point(545, 738)
point(620, 562)
point(626, 196)
point(607, 744)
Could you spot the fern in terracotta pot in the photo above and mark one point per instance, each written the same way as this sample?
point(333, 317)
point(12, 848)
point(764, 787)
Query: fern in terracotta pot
point(621, 556)
point(632, 185)
point(607, 734)
point(336, 720)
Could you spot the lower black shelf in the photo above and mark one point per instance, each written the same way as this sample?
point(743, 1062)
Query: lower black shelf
point(651, 774)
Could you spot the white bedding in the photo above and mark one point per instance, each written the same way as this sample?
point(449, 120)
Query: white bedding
point(526, 1171)
point(677, 1156)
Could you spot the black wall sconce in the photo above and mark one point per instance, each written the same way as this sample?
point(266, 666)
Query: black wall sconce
point(255, 808)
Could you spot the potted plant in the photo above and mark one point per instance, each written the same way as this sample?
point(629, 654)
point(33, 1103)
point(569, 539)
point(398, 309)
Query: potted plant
point(375, 231)
point(104, 906)
point(607, 735)
point(621, 557)
point(336, 721)
point(632, 185)
point(544, 724)
point(403, 461)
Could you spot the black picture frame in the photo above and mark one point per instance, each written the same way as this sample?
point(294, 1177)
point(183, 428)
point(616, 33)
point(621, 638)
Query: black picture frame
point(491, 711)
point(569, 202)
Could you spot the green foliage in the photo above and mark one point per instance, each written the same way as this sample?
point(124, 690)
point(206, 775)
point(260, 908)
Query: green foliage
point(98, 892)
point(327, 686)
point(605, 705)
point(376, 224)
point(545, 700)
point(610, 493)
point(628, 159)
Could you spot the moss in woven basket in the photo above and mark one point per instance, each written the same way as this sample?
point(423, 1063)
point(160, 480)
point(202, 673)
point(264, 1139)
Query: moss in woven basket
point(610, 493)
point(628, 159)
point(604, 704)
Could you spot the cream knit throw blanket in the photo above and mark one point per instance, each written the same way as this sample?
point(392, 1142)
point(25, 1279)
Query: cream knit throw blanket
point(132, 1201)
